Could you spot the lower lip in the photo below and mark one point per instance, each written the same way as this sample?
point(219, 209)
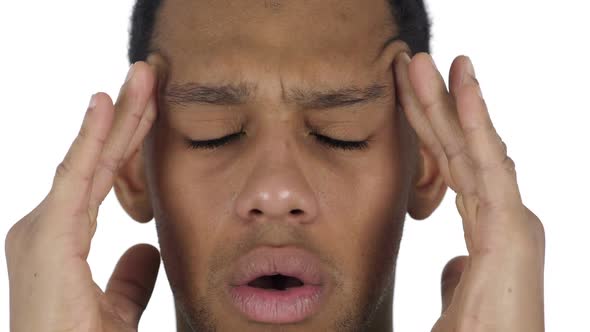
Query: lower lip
point(275, 306)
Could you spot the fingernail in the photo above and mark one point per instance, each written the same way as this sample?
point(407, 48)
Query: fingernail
point(406, 58)
point(469, 76)
point(130, 73)
point(470, 68)
point(431, 60)
point(92, 103)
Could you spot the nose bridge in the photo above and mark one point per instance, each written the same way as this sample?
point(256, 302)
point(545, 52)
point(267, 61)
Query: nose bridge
point(276, 188)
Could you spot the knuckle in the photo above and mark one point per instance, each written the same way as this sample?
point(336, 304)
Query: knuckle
point(437, 151)
point(85, 136)
point(454, 150)
point(16, 238)
point(506, 164)
point(11, 240)
point(509, 164)
point(111, 165)
point(136, 115)
point(538, 227)
point(66, 169)
point(434, 105)
point(63, 169)
point(498, 206)
point(504, 148)
point(485, 127)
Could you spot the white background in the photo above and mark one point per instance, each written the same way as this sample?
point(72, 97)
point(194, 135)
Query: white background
point(531, 58)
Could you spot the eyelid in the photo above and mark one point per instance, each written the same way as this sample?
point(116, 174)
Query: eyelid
point(214, 143)
point(322, 139)
point(341, 144)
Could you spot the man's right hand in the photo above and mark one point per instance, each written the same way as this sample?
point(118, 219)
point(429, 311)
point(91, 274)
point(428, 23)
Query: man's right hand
point(51, 286)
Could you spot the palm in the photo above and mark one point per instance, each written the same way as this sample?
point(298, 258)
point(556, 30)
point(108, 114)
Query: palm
point(498, 286)
point(57, 291)
point(89, 308)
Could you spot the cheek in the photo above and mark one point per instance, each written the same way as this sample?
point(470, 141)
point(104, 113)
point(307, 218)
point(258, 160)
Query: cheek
point(362, 207)
point(189, 208)
point(366, 211)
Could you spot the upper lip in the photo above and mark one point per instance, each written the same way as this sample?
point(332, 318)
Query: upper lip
point(287, 261)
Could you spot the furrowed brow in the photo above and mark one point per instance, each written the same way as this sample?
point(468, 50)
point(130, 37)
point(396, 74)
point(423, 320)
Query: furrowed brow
point(191, 93)
point(341, 97)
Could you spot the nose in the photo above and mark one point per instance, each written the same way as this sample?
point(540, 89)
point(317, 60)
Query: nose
point(277, 190)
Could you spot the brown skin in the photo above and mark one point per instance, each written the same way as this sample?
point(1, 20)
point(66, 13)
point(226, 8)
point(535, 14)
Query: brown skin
point(351, 203)
point(202, 200)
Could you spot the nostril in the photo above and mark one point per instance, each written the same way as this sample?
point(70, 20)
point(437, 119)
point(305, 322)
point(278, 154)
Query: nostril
point(296, 212)
point(256, 212)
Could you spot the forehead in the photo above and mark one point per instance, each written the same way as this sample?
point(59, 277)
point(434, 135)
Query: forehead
point(217, 38)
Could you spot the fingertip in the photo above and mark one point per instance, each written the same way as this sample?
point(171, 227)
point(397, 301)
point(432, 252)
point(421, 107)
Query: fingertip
point(102, 99)
point(471, 107)
point(426, 80)
point(147, 255)
point(454, 268)
point(423, 59)
point(147, 249)
point(132, 282)
point(101, 113)
point(460, 60)
point(421, 66)
point(139, 83)
point(458, 68)
point(144, 73)
point(403, 57)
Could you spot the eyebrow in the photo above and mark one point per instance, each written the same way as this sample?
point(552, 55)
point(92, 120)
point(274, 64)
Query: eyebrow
point(190, 93)
point(184, 94)
point(340, 97)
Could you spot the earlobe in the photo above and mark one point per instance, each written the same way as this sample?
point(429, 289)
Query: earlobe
point(429, 187)
point(132, 190)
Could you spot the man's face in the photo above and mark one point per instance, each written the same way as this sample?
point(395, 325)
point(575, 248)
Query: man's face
point(283, 196)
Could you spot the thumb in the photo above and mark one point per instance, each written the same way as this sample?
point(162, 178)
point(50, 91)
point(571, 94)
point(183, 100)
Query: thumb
point(450, 278)
point(131, 284)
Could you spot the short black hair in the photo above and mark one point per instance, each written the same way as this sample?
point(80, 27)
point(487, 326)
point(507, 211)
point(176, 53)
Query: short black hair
point(411, 17)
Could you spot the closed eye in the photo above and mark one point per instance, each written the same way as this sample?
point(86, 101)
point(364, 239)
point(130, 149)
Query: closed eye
point(214, 143)
point(341, 145)
point(322, 139)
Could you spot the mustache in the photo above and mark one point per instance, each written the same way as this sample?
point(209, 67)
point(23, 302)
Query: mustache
point(271, 235)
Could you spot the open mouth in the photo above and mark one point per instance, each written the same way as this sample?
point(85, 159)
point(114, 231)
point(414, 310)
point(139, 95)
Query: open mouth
point(277, 282)
point(277, 285)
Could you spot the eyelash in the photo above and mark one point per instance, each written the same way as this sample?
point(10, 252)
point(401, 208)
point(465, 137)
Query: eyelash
point(214, 143)
point(327, 141)
point(341, 145)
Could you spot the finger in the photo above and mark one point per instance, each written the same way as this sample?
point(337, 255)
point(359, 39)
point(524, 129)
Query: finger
point(74, 175)
point(415, 115)
point(149, 117)
point(147, 120)
point(131, 284)
point(129, 111)
point(467, 212)
point(496, 175)
point(451, 276)
point(458, 69)
point(439, 107)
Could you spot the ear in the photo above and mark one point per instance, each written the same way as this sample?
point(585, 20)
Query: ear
point(131, 188)
point(429, 186)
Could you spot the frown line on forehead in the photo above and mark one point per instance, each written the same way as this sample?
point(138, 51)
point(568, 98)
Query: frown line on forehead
point(233, 94)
